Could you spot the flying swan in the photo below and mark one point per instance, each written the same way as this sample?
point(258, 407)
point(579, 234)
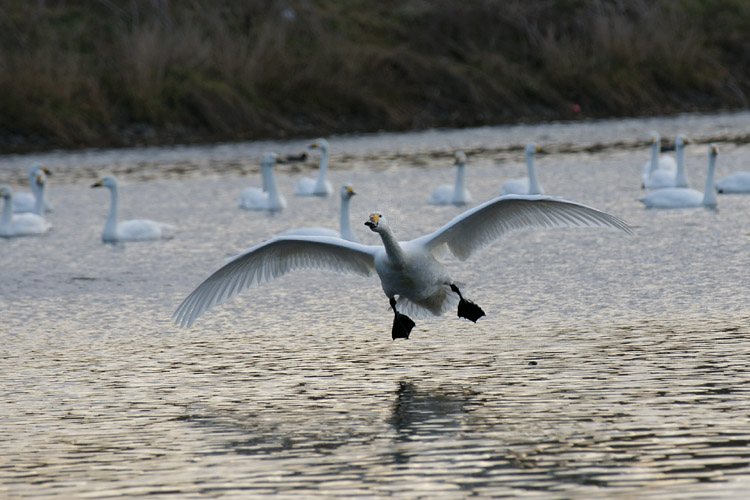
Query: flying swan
point(24, 224)
point(319, 186)
point(525, 185)
point(674, 197)
point(129, 230)
point(659, 171)
point(408, 269)
point(453, 194)
point(345, 224)
point(268, 198)
point(27, 202)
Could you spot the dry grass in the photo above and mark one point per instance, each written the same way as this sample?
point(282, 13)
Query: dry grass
point(109, 72)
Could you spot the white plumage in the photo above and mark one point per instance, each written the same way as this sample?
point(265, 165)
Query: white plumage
point(27, 202)
point(320, 186)
point(659, 171)
point(674, 197)
point(130, 230)
point(268, 198)
point(23, 224)
point(456, 193)
point(408, 269)
point(345, 224)
point(738, 182)
point(525, 185)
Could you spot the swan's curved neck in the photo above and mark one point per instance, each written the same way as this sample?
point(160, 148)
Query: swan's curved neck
point(274, 198)
point(392, 248)
point(680, 179)
point(709, 193)
point(458, 192)
point(39, 201)
point(345, 223)
point(655, 146)
point(264, 169)
point(533, 181)
point(320, 184)
point(7, 219)
point(110, 227)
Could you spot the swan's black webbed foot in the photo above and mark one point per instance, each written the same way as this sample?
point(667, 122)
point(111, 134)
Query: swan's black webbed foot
point(466, 308)
point(402, 324)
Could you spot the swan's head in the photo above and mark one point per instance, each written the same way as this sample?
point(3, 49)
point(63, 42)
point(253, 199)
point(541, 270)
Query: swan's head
point(5, 191)
point(269, 159)
point(376, 222)
point(38, 167)
point(713, 150)
point(654, 138)
point(109, 181)
point(532, 149)
point(460, 158)
point(347, 191)
point(320, 144)
point(681, 141)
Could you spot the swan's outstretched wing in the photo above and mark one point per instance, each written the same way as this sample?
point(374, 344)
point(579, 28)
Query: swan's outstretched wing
point(273, 259)
point(480, 226)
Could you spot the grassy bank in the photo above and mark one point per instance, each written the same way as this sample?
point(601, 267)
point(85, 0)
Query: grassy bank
point(109, 72)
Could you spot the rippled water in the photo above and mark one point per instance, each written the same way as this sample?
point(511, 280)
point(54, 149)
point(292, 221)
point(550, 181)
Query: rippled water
point(607, 366)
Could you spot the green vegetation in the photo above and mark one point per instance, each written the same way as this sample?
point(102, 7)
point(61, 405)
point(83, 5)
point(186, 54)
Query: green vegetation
point(118, 72)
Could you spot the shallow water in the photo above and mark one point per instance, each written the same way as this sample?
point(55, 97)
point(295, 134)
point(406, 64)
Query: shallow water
point(608, 366)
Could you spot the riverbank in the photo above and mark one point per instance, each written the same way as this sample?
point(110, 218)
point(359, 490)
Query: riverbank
point(114, 74)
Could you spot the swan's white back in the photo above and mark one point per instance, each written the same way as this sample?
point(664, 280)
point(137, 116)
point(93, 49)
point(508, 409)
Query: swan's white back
point(23, 224)
point(738, 182)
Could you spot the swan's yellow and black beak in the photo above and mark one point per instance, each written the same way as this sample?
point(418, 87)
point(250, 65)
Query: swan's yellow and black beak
point(97, 183)
point(46, 171)
point(314, 145)
point(350, 191)
point(714, 150)
point(373, 221)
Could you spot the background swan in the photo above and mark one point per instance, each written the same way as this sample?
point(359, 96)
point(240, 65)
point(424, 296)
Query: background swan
point(319, 186)
point(24, 224)
point(660, 170)
point(674, 197)
point(453, 194)
point(525, 185)
point(408, 269)
point(738, 182)
point(268, 198)
point(130, 230)
point(345, 224)
point(27, 202)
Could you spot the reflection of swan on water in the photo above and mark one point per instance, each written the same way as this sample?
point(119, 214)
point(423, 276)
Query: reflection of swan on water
point(414, 407)
point(409, 269)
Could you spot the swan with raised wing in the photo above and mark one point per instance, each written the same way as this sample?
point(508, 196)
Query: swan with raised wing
point(410, 270)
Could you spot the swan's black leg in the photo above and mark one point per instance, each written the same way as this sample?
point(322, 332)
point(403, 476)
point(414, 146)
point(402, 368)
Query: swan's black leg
point(466, 308)
point(402, 324)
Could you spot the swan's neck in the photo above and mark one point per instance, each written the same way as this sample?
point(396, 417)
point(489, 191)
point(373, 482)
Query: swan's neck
point(392, 248)
point(110, 227)
point(709, 193)
point(264, 170)
point(39, 201)
point(7, 219)
point(274, 198)
point(320, 184)
point(680, 180)
point(458, 192)
point(533, 181)
point(655, 146)
point(345, 223)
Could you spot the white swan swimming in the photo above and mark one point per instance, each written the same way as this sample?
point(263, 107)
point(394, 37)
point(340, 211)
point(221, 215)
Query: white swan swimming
point(345, 224)
point(129, 230)
point(736, 183)
point(659, 171)
point(408, 269)
point(525, 185)
point(319, 186)
point(268, 198)
point(27, 202)
point(453, 194)
point(24, 224)
point(673, 197)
